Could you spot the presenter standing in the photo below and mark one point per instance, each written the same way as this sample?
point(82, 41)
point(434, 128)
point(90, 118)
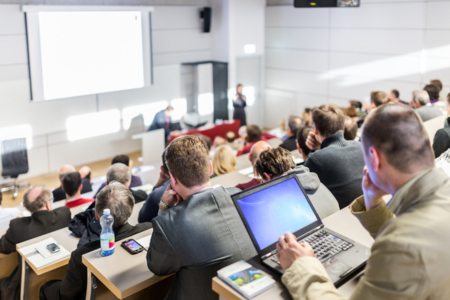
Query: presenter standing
point(239, 104)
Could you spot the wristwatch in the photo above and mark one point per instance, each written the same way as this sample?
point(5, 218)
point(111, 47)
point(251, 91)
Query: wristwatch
point(163, 204)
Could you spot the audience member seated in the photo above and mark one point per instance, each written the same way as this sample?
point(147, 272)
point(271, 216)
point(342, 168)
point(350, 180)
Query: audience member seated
point(224, 161)
point(274, 163)
point(118, 199)
point(441, 140)
point(72, 187)
point(257, 148)
point(421, 102)
point(121, 173)
point(124, 159)
point(58, 193)
point(307, 116)
point(294, 124)
point(433, 92)
point(38, 201)
point(409, 258)
point(438, 84)
point(253, 135)
point(150, 208)
point(350, 129)
point(198, 230)
point(338, 163)
point(302, 136)
point(377, 98)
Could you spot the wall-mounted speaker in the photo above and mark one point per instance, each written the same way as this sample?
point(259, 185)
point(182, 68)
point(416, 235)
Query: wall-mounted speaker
point(205, 18)
point(326, 3)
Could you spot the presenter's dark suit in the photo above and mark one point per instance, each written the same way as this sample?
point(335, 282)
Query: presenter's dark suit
point(196, 238)
point(339, 164)
point(73, 286)
point(23, 229)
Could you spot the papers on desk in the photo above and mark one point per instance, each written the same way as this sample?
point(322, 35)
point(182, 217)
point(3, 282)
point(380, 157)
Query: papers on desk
point(145, 241)
point(39, 256)
point(247, 172)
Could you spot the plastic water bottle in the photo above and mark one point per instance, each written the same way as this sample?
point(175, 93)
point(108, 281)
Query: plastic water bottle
point(107, 238)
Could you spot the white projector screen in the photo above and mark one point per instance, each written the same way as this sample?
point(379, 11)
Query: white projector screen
point(83, 51)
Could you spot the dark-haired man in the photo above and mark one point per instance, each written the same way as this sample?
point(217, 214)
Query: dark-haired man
point(254, 134)
point(409, 258)
point(38, 201)
point(59, 194)
point(198, 229)
point(338, 163)
point(119, 200)
point(274, 163)
point(294, 124)
point(72, 186)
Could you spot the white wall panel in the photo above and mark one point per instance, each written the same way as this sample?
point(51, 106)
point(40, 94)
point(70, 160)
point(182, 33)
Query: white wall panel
point(12, 49)
point(437, 14)
point(302, 60)
point(179, 40)
point(11, 20)
point(282, 17)
point(295, 81)
point(297, 38)
point(381, 15)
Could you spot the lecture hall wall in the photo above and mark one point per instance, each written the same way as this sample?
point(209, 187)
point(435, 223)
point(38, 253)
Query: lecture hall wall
point(176, 38)
point(316, 56)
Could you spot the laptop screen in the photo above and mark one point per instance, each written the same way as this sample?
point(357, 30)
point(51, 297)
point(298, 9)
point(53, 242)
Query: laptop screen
point(275, 210)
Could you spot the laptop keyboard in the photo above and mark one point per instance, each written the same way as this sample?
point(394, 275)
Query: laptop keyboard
point(324, 244)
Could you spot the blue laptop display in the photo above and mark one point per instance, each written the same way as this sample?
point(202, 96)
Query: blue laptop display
point(275, 210)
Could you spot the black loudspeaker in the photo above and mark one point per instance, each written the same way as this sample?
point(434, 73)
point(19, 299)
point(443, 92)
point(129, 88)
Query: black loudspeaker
point(205, 18)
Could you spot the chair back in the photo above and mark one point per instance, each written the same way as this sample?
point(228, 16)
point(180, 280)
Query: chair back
point(14, 157)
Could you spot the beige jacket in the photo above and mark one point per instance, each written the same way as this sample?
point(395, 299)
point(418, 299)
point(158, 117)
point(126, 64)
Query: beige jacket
point(410, 258)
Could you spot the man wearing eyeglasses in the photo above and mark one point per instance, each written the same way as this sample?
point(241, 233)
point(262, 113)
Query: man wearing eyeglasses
point(38, 201)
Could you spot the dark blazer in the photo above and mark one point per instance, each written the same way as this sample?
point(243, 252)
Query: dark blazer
point(441, 140)
point(151, 206)
point(196, 238)
point(339, 164)
point(73, 286)
point(23, 229)
point(290, 143)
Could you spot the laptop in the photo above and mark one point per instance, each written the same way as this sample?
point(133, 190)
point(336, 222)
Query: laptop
point(279, 206)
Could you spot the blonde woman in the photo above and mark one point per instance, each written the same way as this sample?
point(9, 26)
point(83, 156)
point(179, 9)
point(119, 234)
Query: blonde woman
point(224, 161)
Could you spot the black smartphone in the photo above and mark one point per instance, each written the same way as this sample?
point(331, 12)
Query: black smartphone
point(132, 246)
point(53, 248)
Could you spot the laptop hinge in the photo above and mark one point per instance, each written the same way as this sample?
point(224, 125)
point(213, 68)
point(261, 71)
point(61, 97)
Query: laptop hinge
point(268, 254)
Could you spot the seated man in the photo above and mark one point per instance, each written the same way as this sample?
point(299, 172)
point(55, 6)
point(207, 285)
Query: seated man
point(198, 229)
point(59, 194)
point(72, 187)
point(38, 201)
point(441, 141)
point(257, 148)
point(124, 159)
point(409, 258)
point(274, 163)
point(150, 208)
point(338, 163)
point(254, 135)
point(294, 124)
point(119, 200)
point(421, 102)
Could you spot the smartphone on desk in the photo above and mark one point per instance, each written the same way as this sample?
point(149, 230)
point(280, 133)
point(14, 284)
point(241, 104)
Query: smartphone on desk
point(53, 248)
point(132, 246)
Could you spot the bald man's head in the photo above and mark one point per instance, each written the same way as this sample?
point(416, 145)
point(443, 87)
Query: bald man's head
point(256, 150)
point(37, 198)
point(65, 169)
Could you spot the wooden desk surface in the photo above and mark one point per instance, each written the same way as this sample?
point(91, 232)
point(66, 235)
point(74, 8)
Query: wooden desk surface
point(122, 273)
point(63, 237)
point(230, 179)
point(342, 222)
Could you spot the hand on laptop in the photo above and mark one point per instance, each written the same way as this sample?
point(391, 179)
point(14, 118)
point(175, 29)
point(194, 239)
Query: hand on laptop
point(289, 250)
point(372, 193)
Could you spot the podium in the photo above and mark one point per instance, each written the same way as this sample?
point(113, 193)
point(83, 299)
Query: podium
point(153, 144)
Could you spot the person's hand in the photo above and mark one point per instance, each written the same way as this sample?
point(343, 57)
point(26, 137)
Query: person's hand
point(372, 193)
point(311, 141)
point(289, 250)
point(169, 198)
point(163, 176)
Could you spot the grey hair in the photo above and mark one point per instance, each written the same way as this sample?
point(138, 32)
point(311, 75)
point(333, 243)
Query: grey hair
point(120, 201)
point(421, 96)
point(118, 172)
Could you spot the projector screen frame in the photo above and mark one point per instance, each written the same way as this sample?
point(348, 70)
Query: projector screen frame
point(33, 46)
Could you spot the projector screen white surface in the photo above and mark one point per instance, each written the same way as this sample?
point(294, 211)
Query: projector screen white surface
point(75, 53)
